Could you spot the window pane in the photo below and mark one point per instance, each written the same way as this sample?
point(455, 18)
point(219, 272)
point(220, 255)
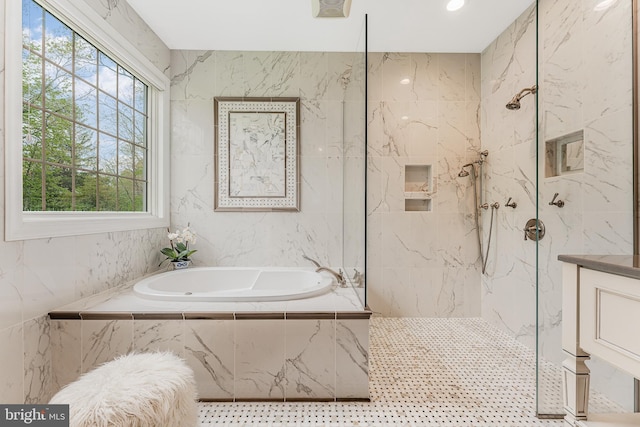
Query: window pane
point(86, 148)
point(58, 90)
point(125, 86)
point(139, 130)
point(107, 77)
point(32, 25)
point(125, 122)
point(31, 186)
point(31, 78)
point(58, 139)
point(141, 96)
point(107, 152)
point(84, 122)
point(58, 182)
point(86, 60)
point(107, 114)
point(86, 103)
point(125, 159)
point(106, 193)
point(58, 46)
point(31, 133)
point(140, 196)
point(86, 195)
point(140, 163)
point(125, 195)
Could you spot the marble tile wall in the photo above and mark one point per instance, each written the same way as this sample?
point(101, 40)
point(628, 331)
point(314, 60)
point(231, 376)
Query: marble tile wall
point(422, 264)
point(327, 86)
point(297, 358)
point(39, 275)
point(585, 84)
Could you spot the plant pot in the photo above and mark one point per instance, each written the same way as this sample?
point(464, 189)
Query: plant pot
point(179, 265)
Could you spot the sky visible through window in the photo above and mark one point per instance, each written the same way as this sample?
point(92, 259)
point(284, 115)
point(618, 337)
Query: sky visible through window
point(84, 122)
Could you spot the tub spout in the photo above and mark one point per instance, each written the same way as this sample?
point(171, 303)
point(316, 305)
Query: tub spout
point(339, 276)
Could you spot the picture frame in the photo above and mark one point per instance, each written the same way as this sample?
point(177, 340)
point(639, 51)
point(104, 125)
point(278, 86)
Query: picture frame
point(257, 154)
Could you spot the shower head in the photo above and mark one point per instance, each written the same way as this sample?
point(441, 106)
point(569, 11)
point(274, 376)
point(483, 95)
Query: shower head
point(514, 104)
point(463, 173)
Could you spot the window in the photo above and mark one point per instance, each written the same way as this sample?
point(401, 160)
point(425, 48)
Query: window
point(92, 145)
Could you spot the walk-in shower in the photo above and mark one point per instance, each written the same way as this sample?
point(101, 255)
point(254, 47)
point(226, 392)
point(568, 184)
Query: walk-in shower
point(477, 181)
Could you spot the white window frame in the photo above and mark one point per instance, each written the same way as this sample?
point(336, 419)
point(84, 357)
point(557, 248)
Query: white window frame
point(20, 225)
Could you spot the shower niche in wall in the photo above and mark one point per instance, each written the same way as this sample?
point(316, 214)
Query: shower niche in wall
point(564, 154)
point(418, 187)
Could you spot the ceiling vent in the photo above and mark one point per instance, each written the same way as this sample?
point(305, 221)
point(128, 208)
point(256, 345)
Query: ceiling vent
point(330, 8)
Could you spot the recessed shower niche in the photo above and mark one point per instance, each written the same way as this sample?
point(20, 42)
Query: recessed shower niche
point(564, 154)
point(418, 187)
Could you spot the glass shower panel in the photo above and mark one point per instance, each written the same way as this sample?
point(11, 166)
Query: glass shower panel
point(585, 98)
point(354, 166)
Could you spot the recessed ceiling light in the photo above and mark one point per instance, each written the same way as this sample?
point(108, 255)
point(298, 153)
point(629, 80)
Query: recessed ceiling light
point(405, 81)
point(604, 5)
point(454, 5)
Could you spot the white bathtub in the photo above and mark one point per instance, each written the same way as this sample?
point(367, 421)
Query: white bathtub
point(234, 284)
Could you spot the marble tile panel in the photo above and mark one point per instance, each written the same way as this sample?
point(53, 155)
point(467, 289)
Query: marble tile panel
point(310, 356)
point(103, 340)
point(260, 359)
point(313, 127)
point(375, 78)
point(314, 76)
point(472, 71)
point(190, 74)
point(192, 130)
point(425, 76)
point(348, 299)
point(209, 351)
point(609, 60)
point(352, 358)
point(452, 77)
point(408, 239)
point(398, 78)
point(272, 73)
point(346, 76)
point(409, 292)
point(13, 365)
point(393, 184)
point(37, 360)
point(608, 175)
point(453, 129)
point(48, 283)
point(158, 335)
point(229, 76)
point(376, 186)
point(314, 178)
point(66, 352)
point(11, 284)
point(608, 232)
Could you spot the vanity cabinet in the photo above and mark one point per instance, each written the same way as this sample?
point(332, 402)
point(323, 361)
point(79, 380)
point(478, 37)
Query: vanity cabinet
point(600, 317)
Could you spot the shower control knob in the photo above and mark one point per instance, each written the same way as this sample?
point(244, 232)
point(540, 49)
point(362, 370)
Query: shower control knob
point(534, 230)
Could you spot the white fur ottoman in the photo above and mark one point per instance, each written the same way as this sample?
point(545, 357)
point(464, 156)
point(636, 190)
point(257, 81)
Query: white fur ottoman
point(141, 390)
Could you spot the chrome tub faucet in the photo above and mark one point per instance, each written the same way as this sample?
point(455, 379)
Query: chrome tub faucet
point(338, 275)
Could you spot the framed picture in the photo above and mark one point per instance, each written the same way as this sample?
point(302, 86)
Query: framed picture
point(256, 154)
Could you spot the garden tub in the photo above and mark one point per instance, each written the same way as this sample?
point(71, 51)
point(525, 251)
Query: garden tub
point(234, 284)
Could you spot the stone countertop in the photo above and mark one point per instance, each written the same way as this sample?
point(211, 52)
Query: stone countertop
point(621, 265)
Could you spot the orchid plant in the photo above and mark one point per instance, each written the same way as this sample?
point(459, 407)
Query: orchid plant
point(179, 250)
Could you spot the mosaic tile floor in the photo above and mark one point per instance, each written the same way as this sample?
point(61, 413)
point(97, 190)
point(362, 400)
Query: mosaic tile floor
point(423, 372)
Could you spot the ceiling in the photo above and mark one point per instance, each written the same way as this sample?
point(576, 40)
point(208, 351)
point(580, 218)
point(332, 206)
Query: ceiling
point(287, 25)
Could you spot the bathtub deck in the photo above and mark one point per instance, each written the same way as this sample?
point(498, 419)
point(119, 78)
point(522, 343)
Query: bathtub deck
point(313, 349)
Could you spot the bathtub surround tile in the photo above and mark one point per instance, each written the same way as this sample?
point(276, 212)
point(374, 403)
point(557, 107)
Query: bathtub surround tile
point(352, 358)
point(209, 351)
point(12, 361)
point(159, 335)
point(11, 288)
point(310, 359)
point(103, 340)
point(37, 361)
point(66, 352)
point(260, 359)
